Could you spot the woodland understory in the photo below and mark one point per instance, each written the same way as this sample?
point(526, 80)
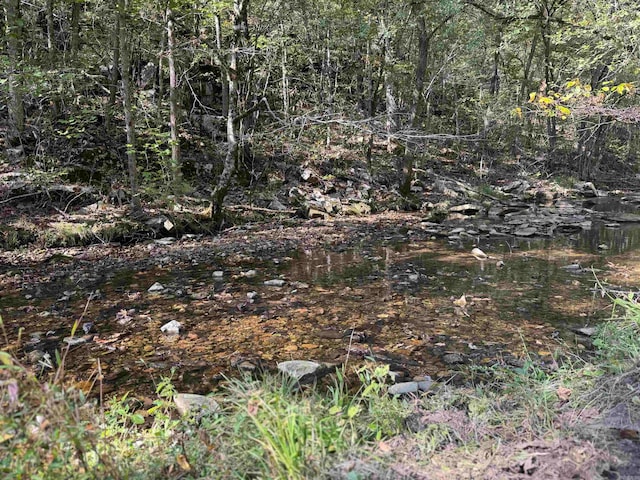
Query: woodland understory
point(141, 139)
point(178, 105)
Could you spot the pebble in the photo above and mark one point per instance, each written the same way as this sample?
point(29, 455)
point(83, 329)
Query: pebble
point(156, 287)
point(171, 328)
point(189, 402)
point(298, 368)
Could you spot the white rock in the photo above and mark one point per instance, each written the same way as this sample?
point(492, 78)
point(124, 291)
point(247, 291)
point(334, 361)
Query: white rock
point(249, 273)
point(276, 282)
point(403, 388)
point(479, 254)
point(298, 368)
point(164, 241)
point(156, 287)
point(218, 274)
point(190, 402)
point(72, 341)
point(171, 328)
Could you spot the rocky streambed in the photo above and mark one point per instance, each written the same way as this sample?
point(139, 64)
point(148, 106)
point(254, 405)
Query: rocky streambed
point(394, 288)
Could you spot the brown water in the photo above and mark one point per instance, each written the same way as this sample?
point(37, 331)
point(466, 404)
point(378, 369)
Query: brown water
point(393, 302)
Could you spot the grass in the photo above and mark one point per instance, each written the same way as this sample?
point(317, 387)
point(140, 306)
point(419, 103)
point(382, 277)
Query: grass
point(503, 421)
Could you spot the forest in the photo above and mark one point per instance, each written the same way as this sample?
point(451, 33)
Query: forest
point(341, 239)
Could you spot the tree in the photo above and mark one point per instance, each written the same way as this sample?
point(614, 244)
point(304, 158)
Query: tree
point(14, 36)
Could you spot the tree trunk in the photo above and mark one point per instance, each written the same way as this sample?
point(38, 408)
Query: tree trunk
point(174, 111)
point(234, 75)
point(373, 106)
point(552, 134)
point(223, 77)
point(76, 10)
point(421, 70)
point(129, 116)
point(13, 34)
point(285, 79)
point(114, 73)
point(51, 43)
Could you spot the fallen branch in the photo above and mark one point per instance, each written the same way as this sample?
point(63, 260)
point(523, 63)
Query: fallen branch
point(251, 208)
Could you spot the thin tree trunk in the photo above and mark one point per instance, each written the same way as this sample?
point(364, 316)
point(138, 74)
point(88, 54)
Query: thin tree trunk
point(285, 79)
point(548, 77)
point(421, 70)
point(174, 112)
point(160, 97)
point(13, 34)
point(114, 74)
point(234, 75)
point(224, 77)
point(527, 69)
point(51, 47)
point(76, 10)
point(129, 116)
point(373, 106)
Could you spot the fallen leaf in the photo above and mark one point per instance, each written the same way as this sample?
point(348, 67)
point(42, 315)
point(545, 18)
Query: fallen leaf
point(461, 302)
point(183, 462)
point(564, 393)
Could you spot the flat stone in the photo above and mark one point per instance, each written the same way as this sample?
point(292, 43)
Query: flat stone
point(171, 328)
point(298, 368)
point(73, 341)
point(465, 209)
point(189, 402)
point(452, 358)
point(403, 388)
point(165, 241)
point(587, 331)
point(276, 282)
point(156, 287)
point(218, 274)
point(526, 232)
point(624, 217)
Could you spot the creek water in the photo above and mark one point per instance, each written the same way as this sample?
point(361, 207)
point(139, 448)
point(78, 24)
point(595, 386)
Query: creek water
point(425, 307)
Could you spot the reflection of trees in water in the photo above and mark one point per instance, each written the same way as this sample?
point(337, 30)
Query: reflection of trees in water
point(616, 240)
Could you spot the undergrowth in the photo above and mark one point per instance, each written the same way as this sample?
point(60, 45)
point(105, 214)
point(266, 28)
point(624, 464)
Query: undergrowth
point(269, 428)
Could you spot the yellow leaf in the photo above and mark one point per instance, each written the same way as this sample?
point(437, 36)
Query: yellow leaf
point(5, 359)
point(532, 96)
point(183, 462)
point(563, 110)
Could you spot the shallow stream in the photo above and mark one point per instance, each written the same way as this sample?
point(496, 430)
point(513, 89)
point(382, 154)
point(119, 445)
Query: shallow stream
point(425, 306)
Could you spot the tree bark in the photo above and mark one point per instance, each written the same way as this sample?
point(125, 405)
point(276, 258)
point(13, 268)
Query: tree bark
point(114, 73)
point(13, 34)
point(76, 10)
point(51, 46)
point(234, 76)
point(129, 115)
point(174, 111)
